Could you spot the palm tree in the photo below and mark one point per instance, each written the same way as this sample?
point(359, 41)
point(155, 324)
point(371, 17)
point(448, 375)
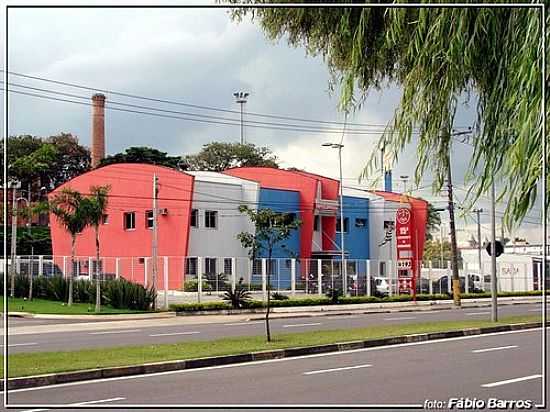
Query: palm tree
point(96, 205)
point(69, 208)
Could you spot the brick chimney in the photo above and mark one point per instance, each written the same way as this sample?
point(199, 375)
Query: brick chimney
point(98, 128)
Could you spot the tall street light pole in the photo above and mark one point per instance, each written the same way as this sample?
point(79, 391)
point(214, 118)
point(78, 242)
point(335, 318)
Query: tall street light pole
point(241, 98)
point(343, 271)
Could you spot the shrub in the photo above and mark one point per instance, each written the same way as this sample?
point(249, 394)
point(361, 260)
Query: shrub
point(192, 285)
point(193, 307)
point(122, 294)
point(359, 299)
point(333, 294)
point(279, 296)
point(237, 299)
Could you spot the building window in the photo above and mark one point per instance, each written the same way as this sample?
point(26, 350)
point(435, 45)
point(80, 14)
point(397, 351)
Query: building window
point(383, 269)
point(228, 266)
point(288, 218)
point(211, 219)
point(194, 217)
point(105, 219)
point(149, 219)
point(360, 222)
point(316, 221)
point(346, 225)
point(191, 266)
point(129, 220)
point(257, 267)
point(210, 266)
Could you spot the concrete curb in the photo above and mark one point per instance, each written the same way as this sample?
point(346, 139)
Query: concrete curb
point(92, 317)
point(66, 377)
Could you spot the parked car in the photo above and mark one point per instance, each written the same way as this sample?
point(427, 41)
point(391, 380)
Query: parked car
point(474, 284)
point(381, 286)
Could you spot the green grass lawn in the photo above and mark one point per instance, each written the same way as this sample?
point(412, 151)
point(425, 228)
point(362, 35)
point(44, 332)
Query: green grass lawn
point(25, 364)
point(59, 308)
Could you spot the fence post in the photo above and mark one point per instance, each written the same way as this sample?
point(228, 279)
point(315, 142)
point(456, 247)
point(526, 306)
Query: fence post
point(525, 280)
point(319, 277)
point(430, 285)
point(165, 282)
point(18, 265)
point(117, 268)
point(90, 267)
point(264, 279)
point(293, 277)
point(65, 267)
point(449, 277)
point(390, 278)
point(466, 278)
point(40, 265)
point(369, 291)
point(233, 274)
point(145, 270)
point(199, 279)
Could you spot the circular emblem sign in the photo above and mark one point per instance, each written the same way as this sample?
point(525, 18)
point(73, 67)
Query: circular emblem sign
point(403, 216)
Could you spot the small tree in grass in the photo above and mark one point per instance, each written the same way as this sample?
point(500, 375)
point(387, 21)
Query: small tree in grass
point(95, 207)
point(70, 209)
point(272, 228)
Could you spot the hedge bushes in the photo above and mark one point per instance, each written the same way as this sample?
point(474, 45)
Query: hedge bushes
point(119, 294)
point(342, 300)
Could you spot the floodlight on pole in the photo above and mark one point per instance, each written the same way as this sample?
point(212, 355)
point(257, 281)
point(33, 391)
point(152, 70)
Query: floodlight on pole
point(241, 99)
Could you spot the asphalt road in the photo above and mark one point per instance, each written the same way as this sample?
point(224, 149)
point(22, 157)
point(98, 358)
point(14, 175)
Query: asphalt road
point(26, 338)
point(506, 366)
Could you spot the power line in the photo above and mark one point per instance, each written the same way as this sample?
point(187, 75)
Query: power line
point(166, 101)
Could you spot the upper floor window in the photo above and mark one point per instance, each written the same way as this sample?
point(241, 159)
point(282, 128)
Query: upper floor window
point(149, 219)
point(129, 220)
point(211, 219)
point(346, 225)
point(194, 217)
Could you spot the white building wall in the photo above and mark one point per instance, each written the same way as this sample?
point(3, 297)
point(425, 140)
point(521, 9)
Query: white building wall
point(381, 210)
point(224, 194)
point(514, 270)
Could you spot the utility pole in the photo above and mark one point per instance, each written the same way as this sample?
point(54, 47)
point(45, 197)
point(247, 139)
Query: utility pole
point(154, 268)
point(478, 212)
point(454, 251)
point(13, 238)
point(494, 311)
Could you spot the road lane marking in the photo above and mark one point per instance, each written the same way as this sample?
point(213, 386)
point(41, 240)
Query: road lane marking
point(493, 349)
point(20, 344)
point(342, 317)
point(477, 313)
point(115, 331)
point(500, 383)
point(80, 404)
point(297, 325)
point(535, 310)
point(261, 362)
point(173, 334)
point(401, 318)
point(242, 323)
point(337, 369)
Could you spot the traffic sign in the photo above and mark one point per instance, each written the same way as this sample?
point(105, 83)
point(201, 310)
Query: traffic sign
point(499, 248)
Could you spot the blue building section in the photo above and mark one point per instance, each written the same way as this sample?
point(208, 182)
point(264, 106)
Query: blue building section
point(356, 228)
point(284, 201)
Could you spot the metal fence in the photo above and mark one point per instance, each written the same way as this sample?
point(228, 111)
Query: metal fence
point(195, 278)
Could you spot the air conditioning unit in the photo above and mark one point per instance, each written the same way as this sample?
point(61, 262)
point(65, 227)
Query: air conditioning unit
point(163, 211)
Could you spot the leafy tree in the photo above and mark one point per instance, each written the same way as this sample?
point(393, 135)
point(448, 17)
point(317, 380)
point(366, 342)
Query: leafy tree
point(440, 57)
point(433, 222)
point(39, 162)
point(272, 228)
point(218, 156)
point(95, 207)
point(69, 207)
point(143, 154)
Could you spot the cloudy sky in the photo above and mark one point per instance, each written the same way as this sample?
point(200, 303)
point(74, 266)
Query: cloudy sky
point(198, 57)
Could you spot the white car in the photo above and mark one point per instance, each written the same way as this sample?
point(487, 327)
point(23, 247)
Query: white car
point(382, 286)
